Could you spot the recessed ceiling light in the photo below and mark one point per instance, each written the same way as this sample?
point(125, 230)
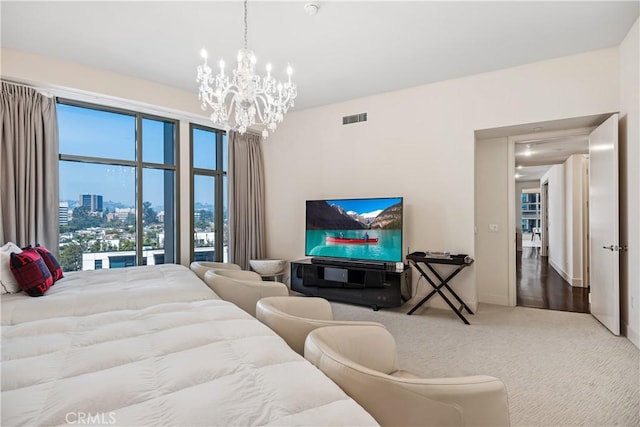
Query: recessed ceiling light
point(519, 167)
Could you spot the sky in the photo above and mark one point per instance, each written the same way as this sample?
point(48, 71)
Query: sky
point(87, 132)
point(365, 205)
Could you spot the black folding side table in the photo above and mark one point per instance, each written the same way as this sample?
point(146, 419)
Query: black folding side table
point(461, 261)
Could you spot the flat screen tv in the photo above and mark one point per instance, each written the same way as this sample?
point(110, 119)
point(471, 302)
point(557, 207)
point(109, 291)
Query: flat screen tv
point(358, 229)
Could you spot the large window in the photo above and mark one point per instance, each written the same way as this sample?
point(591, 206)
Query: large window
point(209, 223)
point(118, 172)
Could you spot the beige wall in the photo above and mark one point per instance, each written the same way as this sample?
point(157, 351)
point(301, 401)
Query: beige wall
point(630, 183)
point(492, 270)
point(419, 143)
point(56, 74)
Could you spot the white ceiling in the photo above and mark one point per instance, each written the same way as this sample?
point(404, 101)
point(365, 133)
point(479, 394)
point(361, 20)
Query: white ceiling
point(348, 50)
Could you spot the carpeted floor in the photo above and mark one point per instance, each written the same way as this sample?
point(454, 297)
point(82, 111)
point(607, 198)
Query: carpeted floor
point(560, 368)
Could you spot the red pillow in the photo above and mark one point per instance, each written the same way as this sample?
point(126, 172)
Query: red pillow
point(51, 262)
point(31, 273)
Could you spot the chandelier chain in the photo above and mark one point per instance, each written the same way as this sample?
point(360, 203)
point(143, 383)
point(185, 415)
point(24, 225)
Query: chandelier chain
point(245, 25)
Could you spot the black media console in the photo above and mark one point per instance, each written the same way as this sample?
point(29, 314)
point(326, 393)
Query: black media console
point(363, 283)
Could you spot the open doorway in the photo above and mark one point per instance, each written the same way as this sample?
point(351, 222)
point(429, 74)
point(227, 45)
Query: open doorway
point(551, 177)
point(587, 260)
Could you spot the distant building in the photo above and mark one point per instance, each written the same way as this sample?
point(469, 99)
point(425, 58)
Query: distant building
point(63, 212)
point(122, 214)
point(91, 201)
point(119, 259)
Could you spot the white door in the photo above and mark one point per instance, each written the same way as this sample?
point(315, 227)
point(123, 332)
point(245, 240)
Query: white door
point(603, 224)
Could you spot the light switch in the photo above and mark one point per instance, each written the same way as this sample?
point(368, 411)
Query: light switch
point(493, 228)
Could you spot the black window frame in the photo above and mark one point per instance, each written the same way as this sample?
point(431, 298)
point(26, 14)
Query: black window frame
point(219, 174)
point(171, 221)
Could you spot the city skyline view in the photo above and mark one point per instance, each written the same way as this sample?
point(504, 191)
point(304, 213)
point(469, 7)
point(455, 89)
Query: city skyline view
point(117, 172)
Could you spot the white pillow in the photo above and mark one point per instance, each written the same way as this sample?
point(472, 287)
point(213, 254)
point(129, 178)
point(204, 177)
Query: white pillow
point(7, 280)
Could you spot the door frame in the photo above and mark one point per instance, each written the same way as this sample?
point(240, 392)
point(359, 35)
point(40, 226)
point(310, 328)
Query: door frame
point(511, 190)
point(544, 214)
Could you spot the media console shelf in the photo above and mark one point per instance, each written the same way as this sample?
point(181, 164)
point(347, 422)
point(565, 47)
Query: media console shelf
point(355, 284)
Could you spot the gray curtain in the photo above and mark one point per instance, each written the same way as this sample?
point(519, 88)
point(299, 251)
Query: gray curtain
point(246, 199)
point(28, 167)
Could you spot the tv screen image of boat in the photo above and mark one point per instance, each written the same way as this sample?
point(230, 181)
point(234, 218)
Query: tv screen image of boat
point(359, 229)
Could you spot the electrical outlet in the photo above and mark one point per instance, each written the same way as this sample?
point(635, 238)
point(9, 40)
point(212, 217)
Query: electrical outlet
point(493, 228)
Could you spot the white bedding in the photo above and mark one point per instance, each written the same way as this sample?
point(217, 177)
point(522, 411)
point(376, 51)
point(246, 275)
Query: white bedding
point(154, 346)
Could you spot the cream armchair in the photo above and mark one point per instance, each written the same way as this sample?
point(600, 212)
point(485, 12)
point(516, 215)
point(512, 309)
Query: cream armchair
point(243, 288)
point(201, 267)
point(363, 361)
point(294, 317)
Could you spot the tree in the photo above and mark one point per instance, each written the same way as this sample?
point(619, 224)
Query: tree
point(82, 219)
point(95, 246)
point(127, 245)
point(149, 216)
point(71, 257)
point(205, 218)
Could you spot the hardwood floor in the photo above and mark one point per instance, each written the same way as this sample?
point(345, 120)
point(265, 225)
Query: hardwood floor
point(538, 285)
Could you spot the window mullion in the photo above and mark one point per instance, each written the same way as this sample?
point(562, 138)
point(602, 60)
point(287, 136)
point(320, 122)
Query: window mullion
point(139, 195)
point(218, 199)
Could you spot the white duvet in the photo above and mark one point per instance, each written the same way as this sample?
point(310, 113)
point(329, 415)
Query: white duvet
point(154, 346)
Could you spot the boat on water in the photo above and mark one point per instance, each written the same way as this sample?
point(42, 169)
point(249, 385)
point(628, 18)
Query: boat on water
point(350, 240)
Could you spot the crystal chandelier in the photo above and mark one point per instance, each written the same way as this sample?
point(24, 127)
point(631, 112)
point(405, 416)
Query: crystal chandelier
point(245, 92)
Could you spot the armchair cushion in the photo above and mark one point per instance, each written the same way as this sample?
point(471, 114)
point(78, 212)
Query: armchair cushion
point(294, 317)
point(201, 267)
point(243, 288)
point(348, 355)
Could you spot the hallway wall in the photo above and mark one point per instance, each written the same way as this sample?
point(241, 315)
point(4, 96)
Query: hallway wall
point(566, 193)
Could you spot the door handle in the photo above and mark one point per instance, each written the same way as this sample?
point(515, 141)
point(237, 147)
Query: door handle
point(612, 247)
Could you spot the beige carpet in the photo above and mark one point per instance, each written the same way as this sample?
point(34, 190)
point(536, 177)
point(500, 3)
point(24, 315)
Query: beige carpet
point(560, 368)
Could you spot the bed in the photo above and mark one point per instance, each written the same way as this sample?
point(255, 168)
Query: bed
point(154, 346)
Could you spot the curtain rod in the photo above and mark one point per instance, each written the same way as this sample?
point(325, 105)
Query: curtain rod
point(39, 90)
point(113, 101)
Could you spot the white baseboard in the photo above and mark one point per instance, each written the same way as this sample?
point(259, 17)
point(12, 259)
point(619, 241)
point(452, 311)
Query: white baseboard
point(576, 282)
point(631, 335)
point(494, 299)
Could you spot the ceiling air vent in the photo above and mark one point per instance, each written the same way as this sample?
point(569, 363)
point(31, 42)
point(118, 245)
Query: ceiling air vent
point(356, 118)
